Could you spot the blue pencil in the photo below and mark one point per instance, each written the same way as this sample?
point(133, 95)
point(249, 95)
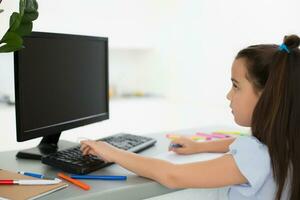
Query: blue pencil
point(36, 175)
point(99, 177)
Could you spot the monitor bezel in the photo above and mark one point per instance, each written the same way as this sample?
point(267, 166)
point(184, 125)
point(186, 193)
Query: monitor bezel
point(21, 134)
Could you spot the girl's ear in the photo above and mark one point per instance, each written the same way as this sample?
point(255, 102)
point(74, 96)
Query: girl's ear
point(260, 92)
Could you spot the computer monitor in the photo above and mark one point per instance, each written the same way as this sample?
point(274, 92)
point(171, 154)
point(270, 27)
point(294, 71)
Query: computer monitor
point(61, 82)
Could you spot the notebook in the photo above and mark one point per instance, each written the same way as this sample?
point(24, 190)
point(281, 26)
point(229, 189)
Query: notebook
point(18, 192)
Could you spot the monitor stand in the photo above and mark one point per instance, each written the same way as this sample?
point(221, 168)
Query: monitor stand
point(49, 144)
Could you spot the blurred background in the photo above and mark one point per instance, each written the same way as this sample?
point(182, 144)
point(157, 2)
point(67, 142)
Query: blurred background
point(169, 60)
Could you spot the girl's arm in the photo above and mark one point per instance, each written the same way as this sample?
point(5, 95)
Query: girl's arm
point(216, 146)
point(189, 146)
point(213, 173)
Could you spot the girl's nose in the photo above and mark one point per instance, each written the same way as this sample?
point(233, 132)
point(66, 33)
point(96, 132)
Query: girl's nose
point(228, 96)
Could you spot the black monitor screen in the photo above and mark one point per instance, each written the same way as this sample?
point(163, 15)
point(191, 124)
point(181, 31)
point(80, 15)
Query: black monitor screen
point(61, 83)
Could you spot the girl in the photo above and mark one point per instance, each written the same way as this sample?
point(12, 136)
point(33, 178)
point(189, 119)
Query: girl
point(265, 96)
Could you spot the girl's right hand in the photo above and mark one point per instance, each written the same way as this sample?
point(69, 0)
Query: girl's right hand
point(189, 146)
point(98, 148)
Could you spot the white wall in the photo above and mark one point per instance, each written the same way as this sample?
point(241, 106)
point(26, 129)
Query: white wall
point(182, 49)
point(204, 37)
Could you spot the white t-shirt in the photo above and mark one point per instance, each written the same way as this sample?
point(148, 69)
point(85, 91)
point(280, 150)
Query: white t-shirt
point(253, 160)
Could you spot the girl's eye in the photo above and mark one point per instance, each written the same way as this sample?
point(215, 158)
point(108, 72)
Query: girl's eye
point(234, 86)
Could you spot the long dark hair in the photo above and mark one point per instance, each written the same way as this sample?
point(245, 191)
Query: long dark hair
point(276, 117)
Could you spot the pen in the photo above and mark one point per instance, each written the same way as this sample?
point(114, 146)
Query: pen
point(75, 182)
point(36, 175)
point(29, 182)
point(175, 146)
point(98, 177)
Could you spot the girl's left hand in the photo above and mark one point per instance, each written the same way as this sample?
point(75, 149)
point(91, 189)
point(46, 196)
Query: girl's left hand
point(98, 148)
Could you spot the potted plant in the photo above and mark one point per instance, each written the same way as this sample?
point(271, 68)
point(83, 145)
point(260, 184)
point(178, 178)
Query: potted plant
point(20, 24)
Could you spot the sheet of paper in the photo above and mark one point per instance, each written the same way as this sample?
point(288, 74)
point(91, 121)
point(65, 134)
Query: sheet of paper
point(180, 159)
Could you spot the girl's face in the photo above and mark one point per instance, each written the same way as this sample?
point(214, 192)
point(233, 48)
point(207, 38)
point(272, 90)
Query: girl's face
point(242, 96)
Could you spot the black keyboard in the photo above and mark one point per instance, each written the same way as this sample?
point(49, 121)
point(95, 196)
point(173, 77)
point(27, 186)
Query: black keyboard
point(71, 160)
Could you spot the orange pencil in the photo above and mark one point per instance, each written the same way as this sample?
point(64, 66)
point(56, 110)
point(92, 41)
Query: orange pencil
point(75, 182)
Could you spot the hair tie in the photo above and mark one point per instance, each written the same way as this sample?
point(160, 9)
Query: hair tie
point(283, 47)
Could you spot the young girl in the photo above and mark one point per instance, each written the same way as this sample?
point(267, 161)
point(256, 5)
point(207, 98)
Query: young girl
point(265, 96)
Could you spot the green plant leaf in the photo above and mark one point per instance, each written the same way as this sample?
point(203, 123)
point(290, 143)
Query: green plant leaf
point(30, 16)
point(13, 42)
point(20, 25)
point(31, 5)
point(24, 29)
point(14, 22)
point(10, 48)
point(22, 5)
point(30, 12)
point(12, 39)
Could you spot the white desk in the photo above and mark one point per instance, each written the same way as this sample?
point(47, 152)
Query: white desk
point(135, 188)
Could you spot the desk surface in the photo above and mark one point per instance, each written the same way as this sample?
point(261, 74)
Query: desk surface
point(134, 188)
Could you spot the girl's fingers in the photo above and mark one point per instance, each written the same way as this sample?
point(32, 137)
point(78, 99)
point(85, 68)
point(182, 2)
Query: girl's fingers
point(89, 147)
point(86, 144)
point(179, 151)
point(83, 145)
point(89, 151)
point(84, 149)
point(97, 148)
point(92, 152)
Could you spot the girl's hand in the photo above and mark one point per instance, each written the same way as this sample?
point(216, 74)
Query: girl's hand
point(98, 148)
point(188, 146)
